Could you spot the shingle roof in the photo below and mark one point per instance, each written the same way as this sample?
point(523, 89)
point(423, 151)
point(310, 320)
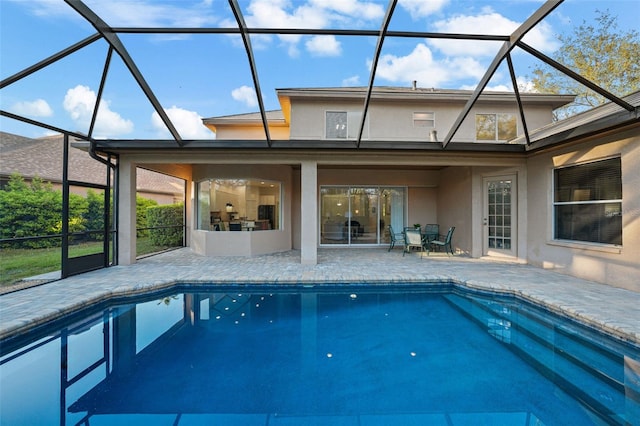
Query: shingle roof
point(42, 157)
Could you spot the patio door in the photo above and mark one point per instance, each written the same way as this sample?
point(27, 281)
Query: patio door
point(359, 215)
point(500, 216)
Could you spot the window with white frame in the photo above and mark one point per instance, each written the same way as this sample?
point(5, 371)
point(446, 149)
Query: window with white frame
point(588, 202)
point(336, 125)
point(496, 127)
point(424, 119)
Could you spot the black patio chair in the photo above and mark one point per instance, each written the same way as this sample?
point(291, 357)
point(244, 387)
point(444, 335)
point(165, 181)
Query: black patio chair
point(444, 242)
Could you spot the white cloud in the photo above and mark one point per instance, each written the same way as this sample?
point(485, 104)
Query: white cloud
point(139, 13)
point(49, 9)
point(524, 86)
point(37, 108)
point(79, 103)
point(351, 8)
point(246, 95)
point(351, 81)
point(492, 23)
point(420, 65)
point(148, 13)
point(542, 37)
point(421, 8)
point(312, 14)
point(324, 46)
point(187, 123)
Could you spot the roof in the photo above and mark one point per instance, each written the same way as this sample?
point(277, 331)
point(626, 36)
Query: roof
point(42, 157)
point(599, 119)
point(428, 94)
point(275, 118)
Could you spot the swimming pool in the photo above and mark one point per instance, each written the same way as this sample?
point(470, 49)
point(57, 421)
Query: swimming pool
point(351, 355)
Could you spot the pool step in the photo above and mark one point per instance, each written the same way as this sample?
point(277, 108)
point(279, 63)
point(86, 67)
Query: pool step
point(573, 357)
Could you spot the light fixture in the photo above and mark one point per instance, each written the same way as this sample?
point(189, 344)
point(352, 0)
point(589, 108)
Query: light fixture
point(229, 207)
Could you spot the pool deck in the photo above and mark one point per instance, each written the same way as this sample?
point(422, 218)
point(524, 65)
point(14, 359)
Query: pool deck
point(614, 310)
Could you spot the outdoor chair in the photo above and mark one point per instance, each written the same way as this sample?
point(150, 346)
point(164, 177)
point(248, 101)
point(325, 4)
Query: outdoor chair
point(413, 239)
point(394, 238)
point(444, 242)
point(431, 232)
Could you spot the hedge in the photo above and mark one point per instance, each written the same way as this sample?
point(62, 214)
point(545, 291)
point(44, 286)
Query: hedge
point(166, 215)
point(35, 209)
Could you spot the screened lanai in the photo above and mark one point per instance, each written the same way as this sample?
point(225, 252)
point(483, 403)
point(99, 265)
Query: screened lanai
point(121, 78)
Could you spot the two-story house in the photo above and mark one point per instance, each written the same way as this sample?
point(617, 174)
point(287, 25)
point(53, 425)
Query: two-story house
point(395, 177)
point(559, 195)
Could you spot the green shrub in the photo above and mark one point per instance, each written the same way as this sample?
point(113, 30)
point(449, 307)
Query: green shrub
point(35, 209)
point(142, 204)
point(167, 215)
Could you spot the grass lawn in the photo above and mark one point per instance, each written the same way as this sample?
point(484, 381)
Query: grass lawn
point(17, 264)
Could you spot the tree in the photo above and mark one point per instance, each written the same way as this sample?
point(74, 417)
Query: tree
point(599, 53)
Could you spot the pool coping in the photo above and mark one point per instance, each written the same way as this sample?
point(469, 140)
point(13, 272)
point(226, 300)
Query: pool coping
point(608, 309)
point(123, 294)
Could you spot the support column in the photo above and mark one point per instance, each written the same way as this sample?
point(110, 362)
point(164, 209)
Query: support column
point(126, 212)
point(309, 213)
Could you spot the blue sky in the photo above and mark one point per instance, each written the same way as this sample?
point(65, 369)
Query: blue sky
point(197, 76)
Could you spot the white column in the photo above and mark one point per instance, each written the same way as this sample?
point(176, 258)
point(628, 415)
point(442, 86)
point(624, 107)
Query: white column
point(126, 212)
point(309, 213)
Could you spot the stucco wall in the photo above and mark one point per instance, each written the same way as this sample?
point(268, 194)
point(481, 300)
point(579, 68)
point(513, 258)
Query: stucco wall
point(251, 133)
point(455, 205)
point(393, 120)
point(616, 266)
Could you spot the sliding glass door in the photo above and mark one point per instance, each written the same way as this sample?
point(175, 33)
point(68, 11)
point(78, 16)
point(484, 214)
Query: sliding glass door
point(360, 215)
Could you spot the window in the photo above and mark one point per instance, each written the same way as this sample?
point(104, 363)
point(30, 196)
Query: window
point(496, 127)
point(238, 204)
point(424, 119)
point(588, 202)
point(336, 123)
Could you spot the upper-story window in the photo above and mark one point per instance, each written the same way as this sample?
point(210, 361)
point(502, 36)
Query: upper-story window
point(496, 127)
point(587, 202)
point(424, 119)
point(336, 125)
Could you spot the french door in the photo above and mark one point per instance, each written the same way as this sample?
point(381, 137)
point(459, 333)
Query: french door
point(500, 216)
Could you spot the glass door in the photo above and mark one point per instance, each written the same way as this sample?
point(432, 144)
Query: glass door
point(360, 215)
point(333, 215)
point(500, 216)
point(392, 202)
point(363, 219)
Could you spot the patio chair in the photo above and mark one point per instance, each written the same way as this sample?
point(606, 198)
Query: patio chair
point(413, 239)
point(444, 242)
point(394, 238)
point(431, 232)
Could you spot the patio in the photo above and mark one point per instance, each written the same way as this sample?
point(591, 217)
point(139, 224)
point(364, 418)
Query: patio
point(614, 310)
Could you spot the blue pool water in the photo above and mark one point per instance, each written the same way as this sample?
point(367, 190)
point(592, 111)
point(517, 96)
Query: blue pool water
point(344, 356)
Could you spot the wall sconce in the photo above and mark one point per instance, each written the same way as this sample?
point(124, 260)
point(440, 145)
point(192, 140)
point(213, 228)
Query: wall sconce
point(229, 207)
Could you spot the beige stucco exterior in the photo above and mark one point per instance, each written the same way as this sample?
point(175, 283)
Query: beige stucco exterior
point(447, 187)
point(614, 265)
point(306, 125)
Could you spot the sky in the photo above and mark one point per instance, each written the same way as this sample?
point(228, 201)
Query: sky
point(207, 75)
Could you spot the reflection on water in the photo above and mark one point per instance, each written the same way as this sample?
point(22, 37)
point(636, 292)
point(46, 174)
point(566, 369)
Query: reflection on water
point(365, 357)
